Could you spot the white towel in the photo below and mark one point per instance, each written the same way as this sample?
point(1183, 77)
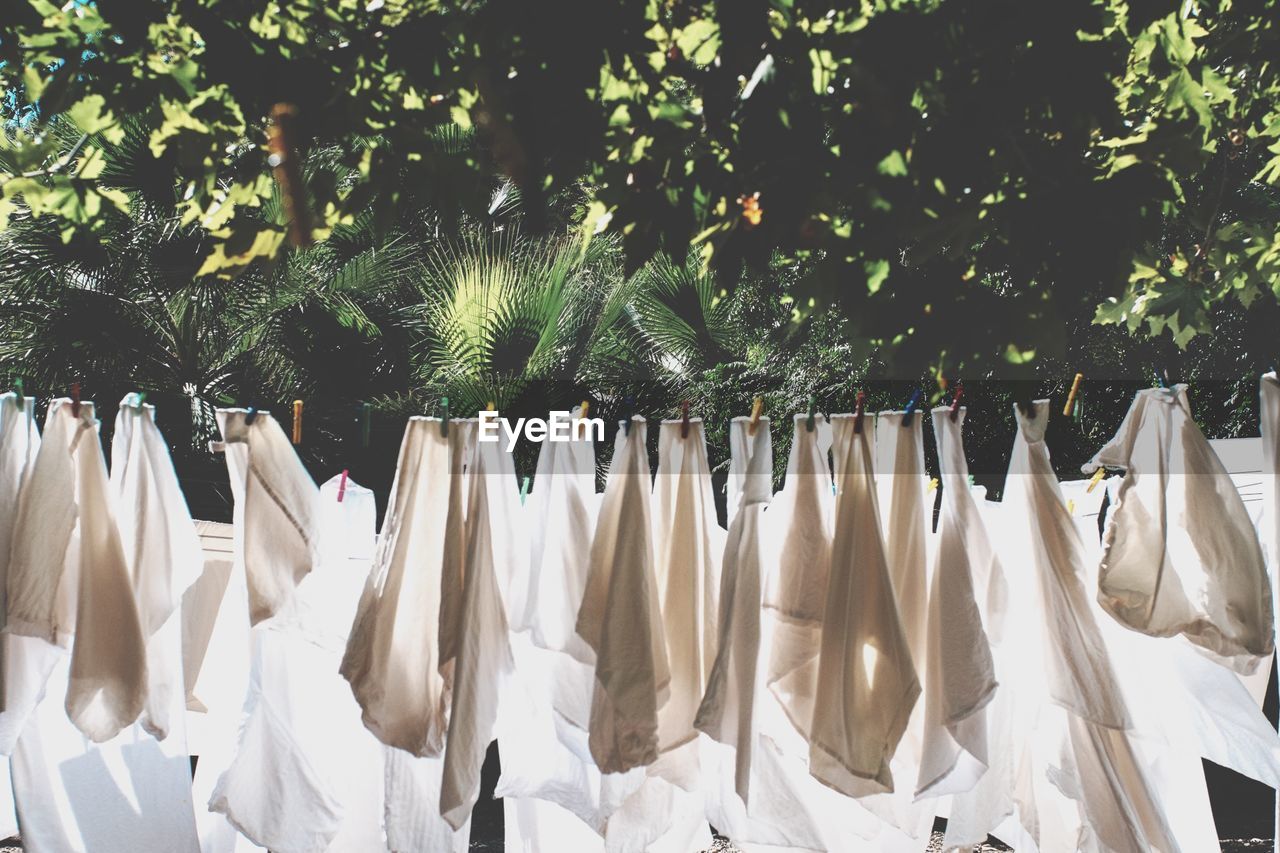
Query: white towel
point(396, 659)
point(620, 618)
point(1180, 554)
point(867, 684)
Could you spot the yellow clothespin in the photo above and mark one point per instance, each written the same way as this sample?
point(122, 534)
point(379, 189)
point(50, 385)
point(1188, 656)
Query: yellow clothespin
point(1071, 507)
point(297, 422)
point(757, 406)
point(583, 409)
point(1097, 478)
point(933, 484)
point(489, 407)
point(1071, 396)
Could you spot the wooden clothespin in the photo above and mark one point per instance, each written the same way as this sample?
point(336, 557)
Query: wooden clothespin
point(808, 424)
point(444, 416)
point(911, 407)
point(1071, 395)
point(75, 399)
point(757, 406)
point(342, 485)
point(858, 411)
point(955, 401)
point(1096, 479)
point(684, 419)
point(364, 424)
point(297, 422)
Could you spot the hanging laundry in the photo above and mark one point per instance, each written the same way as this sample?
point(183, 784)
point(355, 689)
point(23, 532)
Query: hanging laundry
point(867, 684)
point(902, 487)
point(279, 534)
point(307, 775)
point(396, 661)
point(727, 710)
point(620, 618)
point(1269, 396)
point(68, 569)
point(960, 677)
point(799, 520)
point(27, 661)
point(160, 546)
point(1079, 747)
point(1180, 555)
point(688, 547)
point(483, 660)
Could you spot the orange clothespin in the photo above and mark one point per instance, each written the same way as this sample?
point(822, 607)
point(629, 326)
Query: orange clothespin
point(1096, 479)
point(857, 411)
point(757, 406)
point(1071, 396)
point(684, 419)
point(342, 485)
point(297, 422)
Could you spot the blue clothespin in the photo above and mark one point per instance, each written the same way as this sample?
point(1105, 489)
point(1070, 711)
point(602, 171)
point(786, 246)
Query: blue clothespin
point(911, 407)
point(250, 416)
point(444, 417)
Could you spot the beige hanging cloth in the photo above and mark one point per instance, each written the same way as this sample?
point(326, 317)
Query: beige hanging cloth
point(688, 547)
point(727, 712)
point(68, 569)
point(799, 521)
point(960, 678)
point(160, 545)
point(395, 660)
point(483, 660)
point(1180, 553)
point(620, 618)
point(280, 511)
point(867, 683)
point(907, 517)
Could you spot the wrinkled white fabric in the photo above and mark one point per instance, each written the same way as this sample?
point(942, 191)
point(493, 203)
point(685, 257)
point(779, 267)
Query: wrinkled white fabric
point(413, 821)
point(483, 661)
point(960, 678)
point(799, 521)
point(27, 661)
point(867, 684)
point(279, 536)
point(907, 517)
point(68, 569)
point(308, 776)
point(160, 545)
point(620, 618)
point(396, 660)
point(1180, 555)
point(728, 705)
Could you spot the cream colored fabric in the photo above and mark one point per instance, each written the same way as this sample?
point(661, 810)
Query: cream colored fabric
point(1180, 555)
point(396, 660)
point(960, 677)
point(160, 545)
point(621, 618)
point(867, 684)
point(280, 508)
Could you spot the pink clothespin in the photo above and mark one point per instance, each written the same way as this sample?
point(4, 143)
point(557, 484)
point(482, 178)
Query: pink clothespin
point(955, 401)
point(342, 485)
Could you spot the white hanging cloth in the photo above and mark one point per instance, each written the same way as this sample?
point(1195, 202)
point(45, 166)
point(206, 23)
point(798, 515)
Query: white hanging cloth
point(396, 660)
point(483, 657)
point(80, 583)
point(1180, 555)
point(799, 521)
point(727, 712)
point(1269, 409)
point(27, 661)
point(867, 684)
point(620, 618)
point(1079, 749)
point(308, 776)
point(279, 523)
point(160, 546)
point(960, 678)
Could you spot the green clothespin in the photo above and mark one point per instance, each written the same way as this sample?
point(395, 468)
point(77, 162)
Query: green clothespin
point(1077, 413)
point(17, 389)
point(524, 489)
point(444, 417)
point(365, 419)
point(808, 424)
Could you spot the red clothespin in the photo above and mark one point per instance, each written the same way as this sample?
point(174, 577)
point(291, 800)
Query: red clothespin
point(684, 419)
point(75, 399)
point(342, 485)
point(857, 412)
point(955, 401)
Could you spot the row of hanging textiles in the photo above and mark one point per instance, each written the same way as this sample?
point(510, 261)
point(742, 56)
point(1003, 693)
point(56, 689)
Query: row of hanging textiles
point(829, 673)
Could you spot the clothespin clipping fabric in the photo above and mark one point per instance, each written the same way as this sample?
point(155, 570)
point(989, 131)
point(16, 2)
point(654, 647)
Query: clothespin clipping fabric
point(297, 422)
point(757, 405)
point(342, 485)
point(1071, 396)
